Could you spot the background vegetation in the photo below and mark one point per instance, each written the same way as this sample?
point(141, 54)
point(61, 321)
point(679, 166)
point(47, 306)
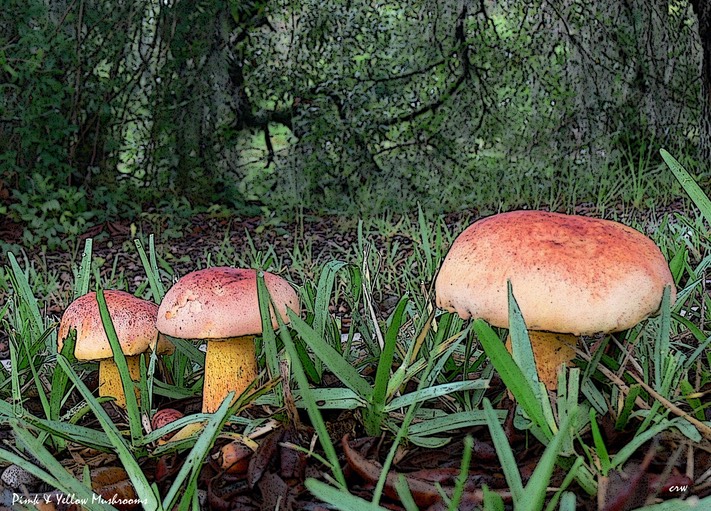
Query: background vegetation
point(162, 109)
point(108, 109)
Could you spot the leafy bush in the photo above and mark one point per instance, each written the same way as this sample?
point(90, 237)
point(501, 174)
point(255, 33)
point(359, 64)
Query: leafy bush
point(113, 107)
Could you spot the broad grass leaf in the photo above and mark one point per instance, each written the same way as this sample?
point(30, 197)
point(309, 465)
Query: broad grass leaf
point(339, 366)
point(694, 191)
point(512, 376)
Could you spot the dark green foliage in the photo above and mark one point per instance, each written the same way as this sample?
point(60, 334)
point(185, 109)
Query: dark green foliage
point(110, 109)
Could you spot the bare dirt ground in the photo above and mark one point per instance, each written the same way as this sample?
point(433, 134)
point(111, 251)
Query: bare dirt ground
point(191, 242)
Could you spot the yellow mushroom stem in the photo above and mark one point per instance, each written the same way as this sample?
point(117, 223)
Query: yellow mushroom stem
point(230, 364)
point(550, 351)
point(110, 379)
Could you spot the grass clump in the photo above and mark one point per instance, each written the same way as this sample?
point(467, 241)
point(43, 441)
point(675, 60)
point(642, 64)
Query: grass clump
point(370, 344)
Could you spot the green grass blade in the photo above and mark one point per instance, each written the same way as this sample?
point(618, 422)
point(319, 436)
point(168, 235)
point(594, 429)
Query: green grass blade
point(188, 474)
point(698, 334)
point(425, 233)
point(145, 384)
point(323, 295)
point(511, 375)
point(534, 494)
point(568, 502)
point(694, 191)
point(403, 491)
point(24, 291)
point(561, 494)
point(441, 351)
point(456, 420)
point(60, 380)
point(332, 398)
point(75, 433)
point(53, 473)
point(404, 429)
point(15, 380)
point(340, 499)
point(129, 387)
point(639, 439)
point(151, 269)
point(189, 498)
point(154, 265)
point(662, 343)
point(492, 500)
point(627, 407)
point(434, 392)
point(340, 367)
point(302, 381)
point(271, 354)
point(38, 383)
point(677, 263)
point(694, 402)
point(522, 352)
point(680, 505)
point(135, 473)
point(4, 309)
point(310, 368)
point(696, 354)
point(374, 416)
point(568, 402)
point(189, 350)
point(7, 411)
point(83, 276)
point(505, 454)
point(600, 447)
point(463, 474)
point(311, 407)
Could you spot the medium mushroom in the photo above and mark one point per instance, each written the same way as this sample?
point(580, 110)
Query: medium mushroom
point(571, 276)
point(220, 306)
point(134, 320)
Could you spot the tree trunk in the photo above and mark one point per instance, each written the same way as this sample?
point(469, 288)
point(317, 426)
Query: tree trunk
point(702, 8)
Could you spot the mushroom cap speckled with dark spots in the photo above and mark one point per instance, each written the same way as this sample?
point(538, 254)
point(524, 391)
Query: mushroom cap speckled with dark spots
point(569, 273)
point(134, 320)
point(221, 302)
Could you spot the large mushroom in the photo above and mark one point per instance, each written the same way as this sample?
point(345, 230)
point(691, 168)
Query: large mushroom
point(220, 306)
point(571, 276)
point(134, 320)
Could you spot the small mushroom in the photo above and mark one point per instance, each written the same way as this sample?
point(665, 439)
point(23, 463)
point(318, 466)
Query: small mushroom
point(571, 276)
point(163, 418)
point(220, 306)
point(134, 320)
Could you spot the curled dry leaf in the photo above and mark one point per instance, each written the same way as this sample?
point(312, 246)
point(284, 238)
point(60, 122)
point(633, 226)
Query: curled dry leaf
point(266, 452)
point(113, 485)
point(292, 461)
point(228, 494)
point(167, 467)
point(276, 493)
point(233, 458)
point(192, 429)
point(425, 493)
